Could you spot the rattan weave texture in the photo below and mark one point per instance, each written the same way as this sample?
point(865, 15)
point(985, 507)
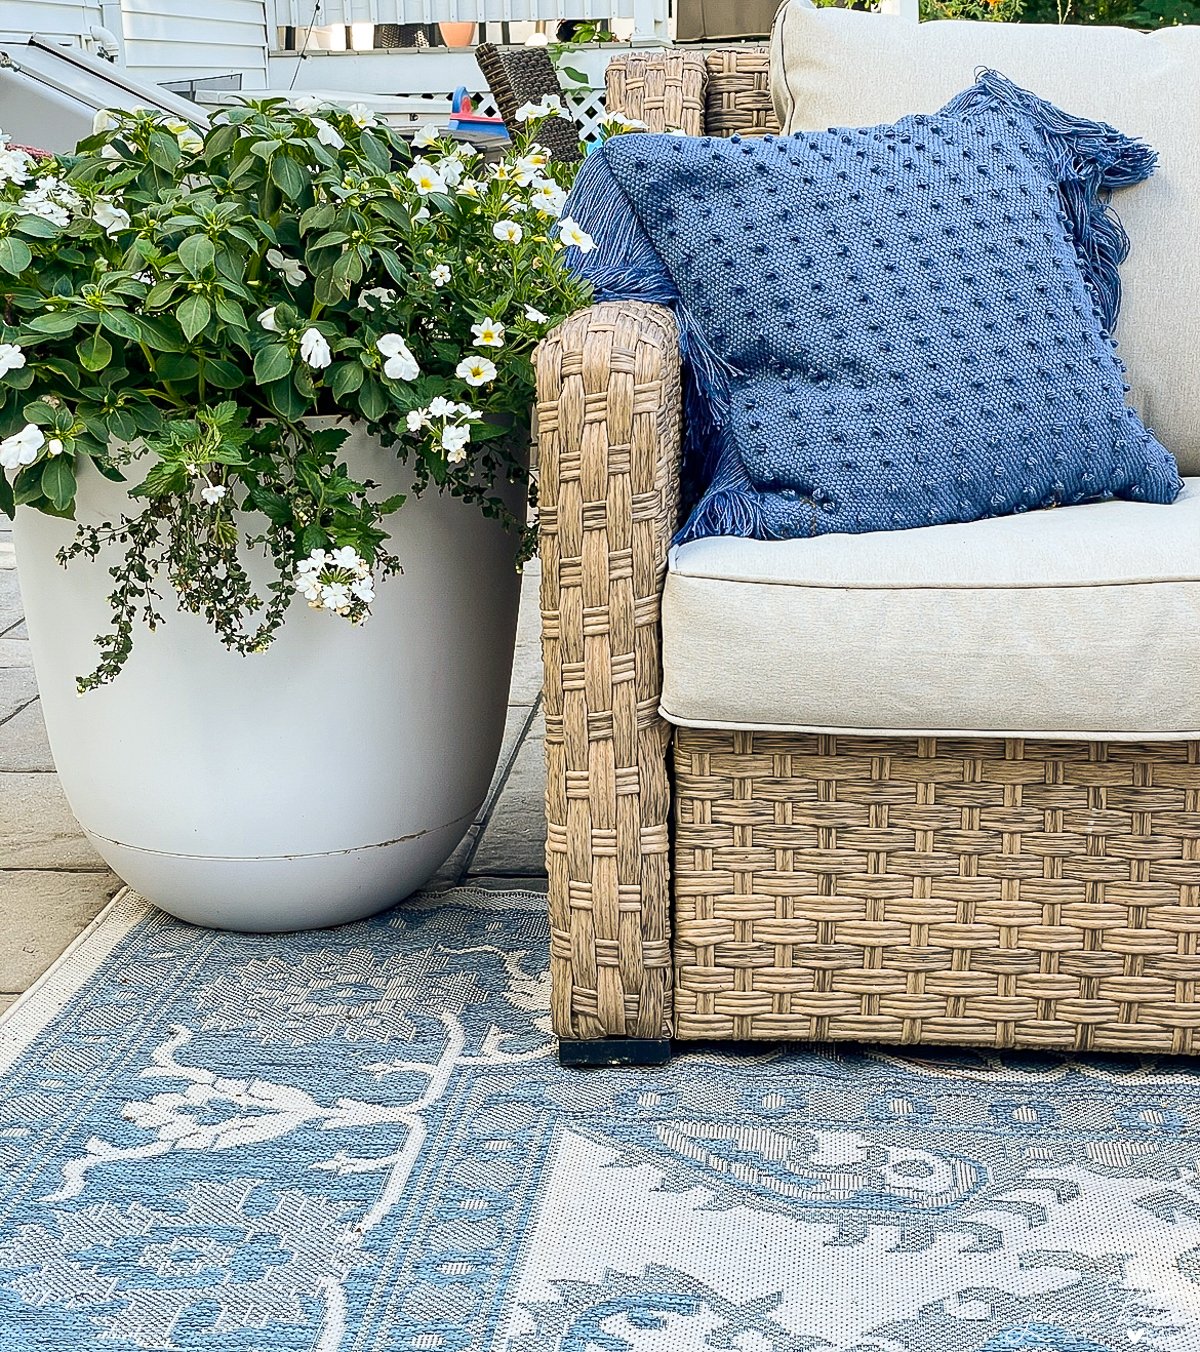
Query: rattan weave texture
point(665, 90)
point(1006, 893)
point(608, 442)
point(520, 75)
point(738, 93)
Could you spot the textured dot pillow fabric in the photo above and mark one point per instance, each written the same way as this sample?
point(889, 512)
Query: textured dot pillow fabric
point(886, 327)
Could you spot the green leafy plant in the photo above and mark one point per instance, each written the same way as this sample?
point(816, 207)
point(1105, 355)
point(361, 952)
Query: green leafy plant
point(584, 33)
point(177, 307)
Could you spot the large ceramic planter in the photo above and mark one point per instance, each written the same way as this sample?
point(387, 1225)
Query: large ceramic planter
point(316, 783)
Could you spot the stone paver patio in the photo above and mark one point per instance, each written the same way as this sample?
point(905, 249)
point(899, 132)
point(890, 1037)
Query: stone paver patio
point(52, 882)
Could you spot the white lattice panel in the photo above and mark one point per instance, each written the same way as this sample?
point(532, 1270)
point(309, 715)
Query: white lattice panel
point(649, 16)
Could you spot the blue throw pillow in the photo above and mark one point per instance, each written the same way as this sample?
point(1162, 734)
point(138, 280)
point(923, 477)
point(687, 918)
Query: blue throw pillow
point(886, 327)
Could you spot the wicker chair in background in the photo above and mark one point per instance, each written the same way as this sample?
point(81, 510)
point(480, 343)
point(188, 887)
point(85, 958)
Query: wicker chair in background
point(741, 885)
point(520, 75)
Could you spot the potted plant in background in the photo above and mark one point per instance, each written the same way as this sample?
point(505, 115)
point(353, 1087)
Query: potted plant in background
point(273, 382)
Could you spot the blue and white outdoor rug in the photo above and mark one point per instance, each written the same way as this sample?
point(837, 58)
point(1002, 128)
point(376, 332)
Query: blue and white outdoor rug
point(359, 1140)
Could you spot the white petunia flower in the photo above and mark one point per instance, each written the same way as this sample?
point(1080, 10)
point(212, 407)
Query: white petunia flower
point(440, 275)
point(11, 358)
point(213, 493)
point(426, 178)
point(22, 447)
point(416, 419)
point(454, 443)
point(422, 215)
point(110, 152)
point(536, 316)
point(490, 333)
point(570, 233)
point(441, 407)
point(267, 320)
point(450, 170)
point(548, 106)
point(328, 135)
point(362, 116)
point(314, 348)
point(105, 119)
point(108, 217)
point(508, 231)
point(383, 294)
point(618, 122)
point(528, 168)
point(400, 364)
point(307, 103)
point(476, 370)
point(291, 268)
point(469, 187)
point(427, 136)
point(549, 199)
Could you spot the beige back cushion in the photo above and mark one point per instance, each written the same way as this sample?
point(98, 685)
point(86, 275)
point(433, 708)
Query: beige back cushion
point(837, 67)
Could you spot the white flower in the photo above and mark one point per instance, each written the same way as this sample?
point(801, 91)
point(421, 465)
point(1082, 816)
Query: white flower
point(108, 217)
point(186, 136)
point(441, 407)
point(53, 199)
point(383, 294)
point(548, 106)
point(618, 122)
point(54, 446)
point(528, 168)
point(440, 275)
point(11, 358)
point(361, 115)
point(293, 272)
point(450, 170)
point(570, 233)
point(328, 135)
point(267, 320)
point(476, 370)
point(422, 215)
point(22, 447)
point(454, 443)
point(488, 334)
point(427, 136)
point(109, 152)
point(337, 596)
point(426, 178)
point(538, 39)
point(400, 364)
point(314, 348)
point(416, 419)
point(307, 103)
point(212, 493)
point(536, 316)
point(469, 187)
point(346, 557)
point(509, 231)
point(549, 199)
point(363, 590)
point(104, 120)
point(14, 164)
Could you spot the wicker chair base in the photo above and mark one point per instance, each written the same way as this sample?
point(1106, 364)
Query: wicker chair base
point(988, 892)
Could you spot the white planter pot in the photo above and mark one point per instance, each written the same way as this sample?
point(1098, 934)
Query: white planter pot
point(313, 784)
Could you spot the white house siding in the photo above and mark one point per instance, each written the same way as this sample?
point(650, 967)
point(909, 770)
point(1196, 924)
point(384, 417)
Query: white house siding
point(70, 20)
point(218, 37)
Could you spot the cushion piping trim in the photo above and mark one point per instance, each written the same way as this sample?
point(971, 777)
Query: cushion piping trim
point(969, 734)
point(931, 586)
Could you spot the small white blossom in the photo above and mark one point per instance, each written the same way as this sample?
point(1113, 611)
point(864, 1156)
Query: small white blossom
point(22, 447)
point(426, 178)
point(104, 120)
point(440, 407)
point(508, 231)
point(536, 316)
point(363, 590)
point(328, 135)
point(549, 199)
point(314, 348)
point(54, 446)
point(618, 122)
point(109, 152)
point(14, 164)
point(11, 358)
point(307, 103)
point(547, 106)
point(337, 596)
point(570, 233)
point(528, 168)
point(361, 115)
point(454, 443)
point(267, 320)
point(450, 170)
point(427, 136)
point(440, 275)
point(212, 493)
point(369, 295)
point(422, 215)
point(476, 370)
point(108, 217)
point(416, 419)
point(469, 187)
point(400, 364)
point(490, 333)
point(292, 270)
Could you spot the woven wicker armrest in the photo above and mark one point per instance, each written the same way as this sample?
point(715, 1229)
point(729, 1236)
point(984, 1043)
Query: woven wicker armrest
point(609, 424)
point(664, 89)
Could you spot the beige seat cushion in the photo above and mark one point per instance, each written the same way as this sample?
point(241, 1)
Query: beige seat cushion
point(838, 67)
point(1077, 621)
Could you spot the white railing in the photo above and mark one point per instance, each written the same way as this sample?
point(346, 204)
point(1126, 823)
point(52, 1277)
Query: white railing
point(650, 17)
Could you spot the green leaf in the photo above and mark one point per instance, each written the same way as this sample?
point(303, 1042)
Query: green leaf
point(225, 375)
point(272, 362)
point(15, 255)
point(58, 481)
point(7, 505)
point(313, 537)
point(347, 377)
point(196, 253)
point(318, 217)
point(372, 401)
point(159, 295)
point(286, 400)
point(273, 505)
point(123, 324)
point(56, 323)
point(376, 153)
point(230, 311)
point(164, 151)
point(36, 227)
point(288, 177)
point(194, 315)
point(171, 366)
point(122, 424)
point(160, 334)
point(27, 486)
point(95, 352)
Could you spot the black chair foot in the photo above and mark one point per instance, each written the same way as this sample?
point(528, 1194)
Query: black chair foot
point(593, 1053)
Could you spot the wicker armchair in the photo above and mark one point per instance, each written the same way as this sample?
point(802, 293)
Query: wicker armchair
point(764, 885)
